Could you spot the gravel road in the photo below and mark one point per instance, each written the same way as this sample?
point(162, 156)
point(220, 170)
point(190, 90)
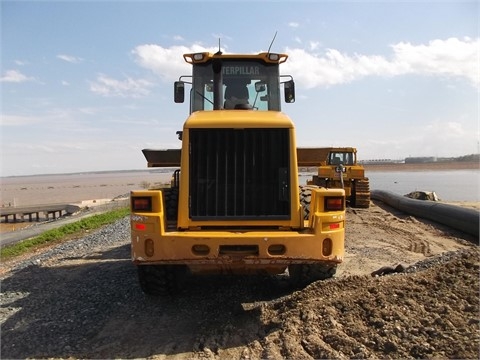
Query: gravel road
point(81, 299)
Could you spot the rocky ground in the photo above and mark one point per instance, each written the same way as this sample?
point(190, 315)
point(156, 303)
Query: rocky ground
point(81, 299)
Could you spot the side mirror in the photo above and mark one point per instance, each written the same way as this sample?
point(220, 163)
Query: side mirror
point(289, 88)
point(260, 86)
point(179, 91)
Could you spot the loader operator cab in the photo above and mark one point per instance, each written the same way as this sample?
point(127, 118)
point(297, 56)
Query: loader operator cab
point(343, 158)
point(247, 82)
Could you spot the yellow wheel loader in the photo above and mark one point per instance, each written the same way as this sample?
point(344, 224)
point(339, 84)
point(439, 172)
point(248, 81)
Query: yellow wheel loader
point(234, 205)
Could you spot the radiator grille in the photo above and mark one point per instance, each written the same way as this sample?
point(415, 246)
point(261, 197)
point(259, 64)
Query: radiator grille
point(239, 174)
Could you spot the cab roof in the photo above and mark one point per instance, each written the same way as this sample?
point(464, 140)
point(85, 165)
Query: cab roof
point(203, 57)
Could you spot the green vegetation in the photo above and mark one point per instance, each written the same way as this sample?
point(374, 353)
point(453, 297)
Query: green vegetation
point(471, 157)
point(64, 232)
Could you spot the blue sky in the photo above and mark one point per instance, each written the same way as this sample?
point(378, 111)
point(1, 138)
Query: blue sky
point(86, 85)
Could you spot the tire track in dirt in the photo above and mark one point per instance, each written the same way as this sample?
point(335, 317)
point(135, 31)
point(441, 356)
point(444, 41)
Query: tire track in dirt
point(381, 236)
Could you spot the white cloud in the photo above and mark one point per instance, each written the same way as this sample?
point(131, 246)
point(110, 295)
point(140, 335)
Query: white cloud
point(70, 58)
point(166, 62)
point(293, 24)
point(444, 58)
point(18, 120)
point(53, 147)
point(88, 110)
point(314, 45)
point(53, 119)
point(451, 57)
point(220, 36)
point(422, 140)
point(129, 87)
point(15, 77)
point(446, 130)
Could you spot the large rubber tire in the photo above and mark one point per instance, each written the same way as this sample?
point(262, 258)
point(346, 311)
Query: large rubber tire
point(306, 199)
point(161, 279)
point(170, 199)
point(304, 274)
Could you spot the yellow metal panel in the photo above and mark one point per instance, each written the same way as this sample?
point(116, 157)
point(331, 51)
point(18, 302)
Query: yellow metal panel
point(231, 119)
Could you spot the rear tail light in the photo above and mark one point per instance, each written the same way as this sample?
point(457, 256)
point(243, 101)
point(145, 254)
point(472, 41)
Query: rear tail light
point(334, 203)
point(140, 226)
point(142, 203)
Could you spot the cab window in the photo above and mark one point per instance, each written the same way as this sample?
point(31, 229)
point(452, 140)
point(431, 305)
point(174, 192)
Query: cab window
point(246, 83)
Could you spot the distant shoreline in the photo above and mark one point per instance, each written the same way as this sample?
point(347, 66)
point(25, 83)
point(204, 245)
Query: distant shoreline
point(440, 165)
point(431, 166)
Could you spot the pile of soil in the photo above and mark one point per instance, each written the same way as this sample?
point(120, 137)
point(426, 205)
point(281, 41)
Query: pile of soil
point(423, 314)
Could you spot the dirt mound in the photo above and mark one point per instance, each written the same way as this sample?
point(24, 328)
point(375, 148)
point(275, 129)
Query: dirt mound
point(424, 314)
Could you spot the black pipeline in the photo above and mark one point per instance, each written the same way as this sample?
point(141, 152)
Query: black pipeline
point(466, 220)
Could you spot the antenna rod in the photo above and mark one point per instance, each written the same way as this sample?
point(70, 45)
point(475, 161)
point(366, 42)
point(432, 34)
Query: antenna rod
point(268, 52)
point(219, 52)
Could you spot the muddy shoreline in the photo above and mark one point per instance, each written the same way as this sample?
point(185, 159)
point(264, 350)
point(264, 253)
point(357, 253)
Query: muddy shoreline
point(440, 166)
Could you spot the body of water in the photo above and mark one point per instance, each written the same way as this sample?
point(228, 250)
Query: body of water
point(449, 185)
point(72, 188)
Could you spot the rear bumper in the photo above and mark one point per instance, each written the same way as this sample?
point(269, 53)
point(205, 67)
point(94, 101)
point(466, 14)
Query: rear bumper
point(204, 251)
point(238, 245)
